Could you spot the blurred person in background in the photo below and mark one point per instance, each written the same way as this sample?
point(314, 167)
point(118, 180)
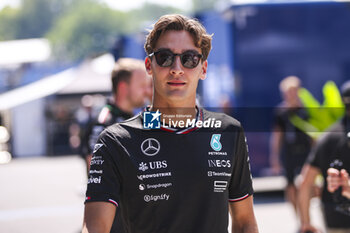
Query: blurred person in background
point(130, 90)
point(289, 146)
point(331, 151)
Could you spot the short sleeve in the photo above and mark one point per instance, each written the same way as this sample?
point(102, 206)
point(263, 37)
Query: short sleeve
point(279, 120)
point(317, 154)
point(96, 130)
point(241, 180)
point(314, 158)
point(104, 179)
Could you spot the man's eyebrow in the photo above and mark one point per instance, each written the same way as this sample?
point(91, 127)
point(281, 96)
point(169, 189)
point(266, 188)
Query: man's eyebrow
point(182, 51)
point(162, 49)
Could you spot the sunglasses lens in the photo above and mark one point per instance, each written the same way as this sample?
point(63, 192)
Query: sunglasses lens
point(164, 58)
point(190, 60)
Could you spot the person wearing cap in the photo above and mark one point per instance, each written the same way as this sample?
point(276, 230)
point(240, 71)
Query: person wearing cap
point(331, 159)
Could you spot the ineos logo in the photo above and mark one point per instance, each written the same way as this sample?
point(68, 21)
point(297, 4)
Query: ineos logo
point(150, 147)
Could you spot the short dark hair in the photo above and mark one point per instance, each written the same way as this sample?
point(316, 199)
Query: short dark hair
point(123, 70)
point(178, 22)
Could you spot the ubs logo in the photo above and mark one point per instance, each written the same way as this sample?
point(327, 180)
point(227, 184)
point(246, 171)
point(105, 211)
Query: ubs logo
point(150, 147)
point(153, 165)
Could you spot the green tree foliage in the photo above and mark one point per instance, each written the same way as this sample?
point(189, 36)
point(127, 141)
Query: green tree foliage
point(76, 28)
point(205, 5)
point(149, 12)
point(87, 28)
point(8, 18)
point(35, 18)
point(200, 5)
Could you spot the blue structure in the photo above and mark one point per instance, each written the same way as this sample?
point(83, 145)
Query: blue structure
point(263, 43)
point(129, 46)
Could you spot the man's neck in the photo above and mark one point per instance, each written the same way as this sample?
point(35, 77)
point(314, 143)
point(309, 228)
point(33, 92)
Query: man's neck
point(123, 105)
point(293, 104)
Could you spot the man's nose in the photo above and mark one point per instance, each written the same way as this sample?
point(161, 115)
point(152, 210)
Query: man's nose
point(176, 67)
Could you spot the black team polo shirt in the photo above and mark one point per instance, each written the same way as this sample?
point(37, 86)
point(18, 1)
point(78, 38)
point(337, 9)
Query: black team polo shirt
point(171, 180)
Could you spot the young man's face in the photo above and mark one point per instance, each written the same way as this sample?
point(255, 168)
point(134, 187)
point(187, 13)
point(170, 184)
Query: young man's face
point(176, 82)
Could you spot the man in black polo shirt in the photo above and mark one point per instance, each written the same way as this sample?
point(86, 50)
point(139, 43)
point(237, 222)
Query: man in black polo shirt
point(175, 168)
point(332, 150)
point(130, 89)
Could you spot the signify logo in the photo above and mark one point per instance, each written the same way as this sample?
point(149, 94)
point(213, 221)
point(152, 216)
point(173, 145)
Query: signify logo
point(151, 120)
point(162, 197)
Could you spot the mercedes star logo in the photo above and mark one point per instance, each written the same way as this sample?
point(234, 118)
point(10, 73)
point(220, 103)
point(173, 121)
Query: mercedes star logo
point(150, 147)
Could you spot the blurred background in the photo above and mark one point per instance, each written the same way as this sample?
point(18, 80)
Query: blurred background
point(56, 57)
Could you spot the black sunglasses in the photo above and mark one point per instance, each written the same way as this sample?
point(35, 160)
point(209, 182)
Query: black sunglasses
point(165, 58)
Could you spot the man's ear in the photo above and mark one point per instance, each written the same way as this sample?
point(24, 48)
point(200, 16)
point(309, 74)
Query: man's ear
point(203, 74)
point(148, 65)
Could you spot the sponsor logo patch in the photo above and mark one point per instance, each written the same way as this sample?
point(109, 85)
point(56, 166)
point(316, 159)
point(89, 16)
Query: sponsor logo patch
point(212, 173)
point(162, 197)
point(219, 163)
point(96, 160)
point(97, 147)
point(215, 142)
point(143, 187)
point(153, 165)
point(150, 147)
point(220, 186)
point(154, 175)
point(94, 180)
point(95, 172)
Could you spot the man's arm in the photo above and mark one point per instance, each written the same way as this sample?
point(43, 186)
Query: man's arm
point(275, 148)
point(309, 174)
point(98, 217)
point(242, 215)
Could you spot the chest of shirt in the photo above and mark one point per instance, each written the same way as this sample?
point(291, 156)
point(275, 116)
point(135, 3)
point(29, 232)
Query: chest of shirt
point(162, 164)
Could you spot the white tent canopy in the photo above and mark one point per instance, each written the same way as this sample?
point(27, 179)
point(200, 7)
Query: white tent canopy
point(24, 51)
point(92, 76)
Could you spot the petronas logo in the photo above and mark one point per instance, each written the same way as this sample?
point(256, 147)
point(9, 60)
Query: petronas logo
point(215, 142)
